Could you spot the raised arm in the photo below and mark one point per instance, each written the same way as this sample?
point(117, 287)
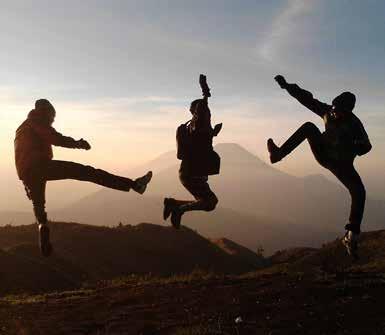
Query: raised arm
point(50, 135)
point(203, 114)
point(205, 88)
point(201, 120)
point(303, 96)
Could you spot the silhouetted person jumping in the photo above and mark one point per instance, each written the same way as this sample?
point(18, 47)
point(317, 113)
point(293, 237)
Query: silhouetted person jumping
point(35, 166)
point(335, 149)
point(199, 160)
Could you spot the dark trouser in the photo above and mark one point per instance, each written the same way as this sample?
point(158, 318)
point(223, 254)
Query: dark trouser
point(59, 170)
point(205, 198)
point(344, 171)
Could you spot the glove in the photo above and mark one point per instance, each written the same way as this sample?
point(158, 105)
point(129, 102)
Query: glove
point(217, 129)
point(83, 144)
point(205, 88)
point(281, 81)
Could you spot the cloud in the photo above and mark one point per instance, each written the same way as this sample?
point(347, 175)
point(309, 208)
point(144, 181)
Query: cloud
point(286, 29)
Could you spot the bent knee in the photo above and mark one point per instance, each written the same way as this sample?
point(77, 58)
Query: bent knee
point(310, 126)
point(211, 203)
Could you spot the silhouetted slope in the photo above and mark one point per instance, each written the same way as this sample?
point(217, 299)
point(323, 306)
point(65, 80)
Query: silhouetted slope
point(16, 218)
point(85, 252)
point(332, 256)
point(299, 295)
point(248, 230)
point(291, 255)
point(237, 251)
point(256, 232)
point(24, 270)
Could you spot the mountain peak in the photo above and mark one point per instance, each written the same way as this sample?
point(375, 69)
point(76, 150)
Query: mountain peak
point(231, 146)
point(235, 153)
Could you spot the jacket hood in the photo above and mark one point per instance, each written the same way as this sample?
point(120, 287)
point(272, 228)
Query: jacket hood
point(37, 114)
point(43, 111)
point(42, 115)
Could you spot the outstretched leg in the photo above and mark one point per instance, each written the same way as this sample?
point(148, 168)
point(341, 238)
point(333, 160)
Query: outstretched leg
point(308, 131)
point(35, 186)
point(58, 170)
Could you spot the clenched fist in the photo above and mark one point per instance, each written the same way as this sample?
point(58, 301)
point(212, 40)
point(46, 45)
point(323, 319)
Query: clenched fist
point(281, 81)
point(83, 144)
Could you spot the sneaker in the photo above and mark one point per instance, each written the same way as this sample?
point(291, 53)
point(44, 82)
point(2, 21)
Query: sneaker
point(140, 184)
point(44, 243)
point(274, 151)
point(168, 207)
point(176, 217)
point(350, 241)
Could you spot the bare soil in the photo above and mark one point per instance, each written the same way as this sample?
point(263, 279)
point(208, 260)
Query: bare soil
point(268, 303)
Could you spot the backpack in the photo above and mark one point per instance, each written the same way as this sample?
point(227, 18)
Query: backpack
point(214, 164)
point(184, 140)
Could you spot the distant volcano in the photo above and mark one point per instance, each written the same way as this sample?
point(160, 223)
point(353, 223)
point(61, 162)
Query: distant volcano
point(259, 205)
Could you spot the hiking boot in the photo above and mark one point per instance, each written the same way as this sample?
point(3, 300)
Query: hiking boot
point(44, 242)
point(350, 241)
point(169, 205)
point(140, 184)
point(176, 217)
point(274, 151)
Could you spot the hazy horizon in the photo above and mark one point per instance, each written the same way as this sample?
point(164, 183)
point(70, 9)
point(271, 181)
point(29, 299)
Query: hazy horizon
point(122, 76)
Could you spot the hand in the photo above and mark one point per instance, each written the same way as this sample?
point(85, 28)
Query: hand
point(202, 80)
point(281, 81)
point(217, 129)
point(203, 84)
point(83, 144)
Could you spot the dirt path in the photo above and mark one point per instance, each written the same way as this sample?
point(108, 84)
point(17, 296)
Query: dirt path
point(268, 304)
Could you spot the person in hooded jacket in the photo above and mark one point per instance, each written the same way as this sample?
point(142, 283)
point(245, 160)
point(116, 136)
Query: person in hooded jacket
point(335, 149)
point(35, 165)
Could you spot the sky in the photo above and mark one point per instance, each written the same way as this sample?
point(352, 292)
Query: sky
point(121, 74)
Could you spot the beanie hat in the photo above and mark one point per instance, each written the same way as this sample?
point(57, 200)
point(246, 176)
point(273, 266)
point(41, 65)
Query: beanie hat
point(345, 101)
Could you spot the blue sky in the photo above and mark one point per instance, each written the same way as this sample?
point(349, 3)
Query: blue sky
point(92, 50)
point(122, 73)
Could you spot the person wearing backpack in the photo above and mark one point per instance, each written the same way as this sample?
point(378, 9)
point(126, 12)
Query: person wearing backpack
point(199, 160)
point(335, 149)
point(35, 165)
